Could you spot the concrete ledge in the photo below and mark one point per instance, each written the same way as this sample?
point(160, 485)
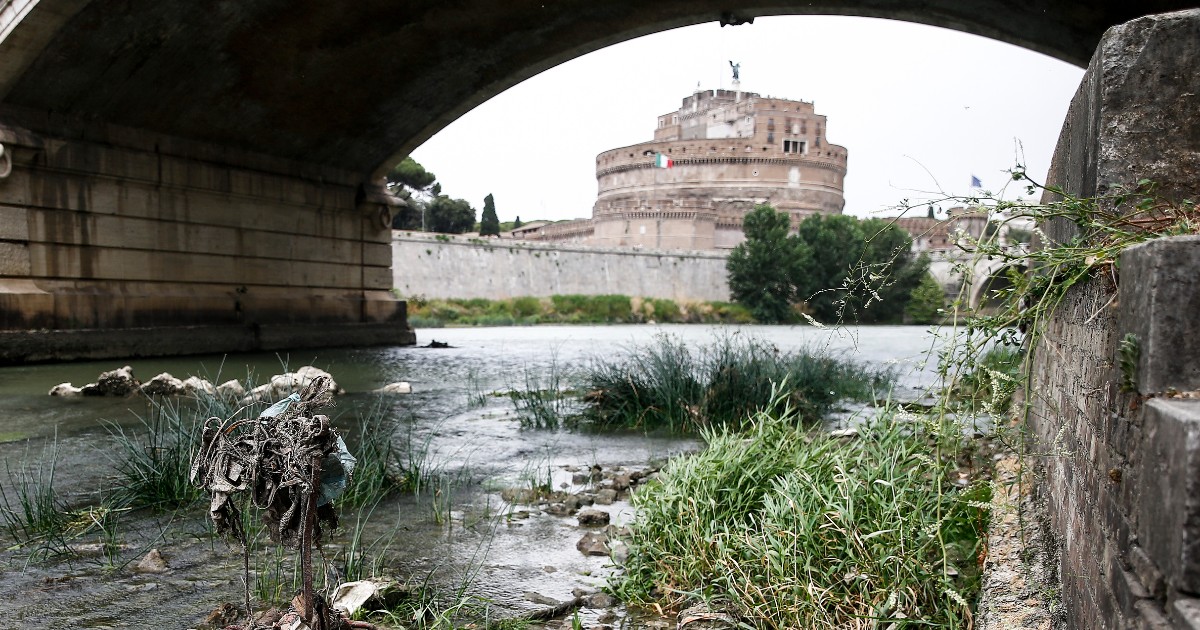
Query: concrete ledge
point(1168, 525)
point(1160, 298)
point(19, 347)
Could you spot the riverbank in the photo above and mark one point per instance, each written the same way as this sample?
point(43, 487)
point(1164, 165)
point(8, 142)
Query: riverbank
point(570, 309)
point(458, 527)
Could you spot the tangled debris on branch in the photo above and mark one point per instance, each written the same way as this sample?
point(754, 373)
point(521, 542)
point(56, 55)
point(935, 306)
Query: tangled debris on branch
point(293, 464)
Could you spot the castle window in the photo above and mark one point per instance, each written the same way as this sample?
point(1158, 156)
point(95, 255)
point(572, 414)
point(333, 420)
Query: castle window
point(793, 146)
point(771, 137)
point(770, 124)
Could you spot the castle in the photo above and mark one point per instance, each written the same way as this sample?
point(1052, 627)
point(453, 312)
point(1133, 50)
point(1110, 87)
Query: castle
point(725, 151)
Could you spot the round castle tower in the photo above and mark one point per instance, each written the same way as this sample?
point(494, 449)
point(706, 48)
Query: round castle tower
point(729, 151)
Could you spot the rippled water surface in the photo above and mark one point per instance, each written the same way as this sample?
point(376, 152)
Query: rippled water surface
point(459, 533)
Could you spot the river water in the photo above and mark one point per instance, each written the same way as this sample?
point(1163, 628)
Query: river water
point(456, 533)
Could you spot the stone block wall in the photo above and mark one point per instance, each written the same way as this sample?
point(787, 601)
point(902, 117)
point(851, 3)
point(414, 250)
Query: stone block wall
point(1113, 433)
point(440, 266)
point(114, 230)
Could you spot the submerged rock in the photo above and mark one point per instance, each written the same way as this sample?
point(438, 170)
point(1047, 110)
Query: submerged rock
point(593, 544)
point(162, 385)
point(395, 388)
point(66, 389)
point(118, 382)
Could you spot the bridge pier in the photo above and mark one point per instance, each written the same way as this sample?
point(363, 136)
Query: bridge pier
point(118, 242)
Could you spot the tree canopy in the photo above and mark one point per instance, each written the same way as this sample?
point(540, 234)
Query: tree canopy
point(764, 268)
point(840, 268)
point(410, 174)
point(450, 216)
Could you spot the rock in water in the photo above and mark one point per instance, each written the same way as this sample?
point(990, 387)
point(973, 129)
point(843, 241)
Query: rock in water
point(231, 390)
point(395, 388)
point(193, 385)
point(593, 544)
point(592, 518)
point(162, 385)
point(119, 382)
point(65, 389)
point(606, 496)
point(152, 562)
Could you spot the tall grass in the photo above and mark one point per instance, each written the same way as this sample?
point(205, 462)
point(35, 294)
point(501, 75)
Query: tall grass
point(668, 385)
point(797, 530)
point(153, 460)
point(543, 401)
point(380, 469)
point(989, 384)
point(30, 508)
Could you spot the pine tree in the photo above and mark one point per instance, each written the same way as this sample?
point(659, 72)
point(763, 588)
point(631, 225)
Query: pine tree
point(489, 223)
point(517, 222)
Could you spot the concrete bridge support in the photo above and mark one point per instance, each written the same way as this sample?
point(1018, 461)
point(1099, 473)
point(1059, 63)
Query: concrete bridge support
point(116, 242)
point(1121, 469)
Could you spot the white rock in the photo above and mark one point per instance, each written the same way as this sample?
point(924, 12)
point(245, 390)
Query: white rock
point(283, 385)
point(162, 385)
point(119, 382)
point(231, 390)
point(194, 385)
point(395, 388)
point(65, 389)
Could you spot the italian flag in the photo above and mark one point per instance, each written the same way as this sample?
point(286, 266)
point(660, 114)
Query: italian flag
point(662, 161)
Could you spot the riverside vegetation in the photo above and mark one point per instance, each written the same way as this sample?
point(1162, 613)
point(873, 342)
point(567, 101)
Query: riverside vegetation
point(569, 309)
point(776, 522)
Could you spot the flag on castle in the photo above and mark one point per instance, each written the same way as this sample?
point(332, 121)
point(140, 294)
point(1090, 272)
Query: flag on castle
point(975, 182)
point(662, 161)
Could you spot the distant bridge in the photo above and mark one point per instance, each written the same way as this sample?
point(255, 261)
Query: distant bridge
point(205, 176)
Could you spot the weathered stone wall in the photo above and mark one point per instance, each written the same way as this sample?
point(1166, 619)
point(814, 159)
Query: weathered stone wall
point(106, 230)
point(439, 266)
point(1122, 468)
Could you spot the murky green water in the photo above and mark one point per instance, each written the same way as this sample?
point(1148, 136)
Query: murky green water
point(458, 533)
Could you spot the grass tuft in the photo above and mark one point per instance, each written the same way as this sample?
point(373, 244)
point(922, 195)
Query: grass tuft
point(668, 385)
point(799, 530)
point(153, 460)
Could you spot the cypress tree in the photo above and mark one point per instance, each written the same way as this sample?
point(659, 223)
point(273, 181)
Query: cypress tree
point(489, 223)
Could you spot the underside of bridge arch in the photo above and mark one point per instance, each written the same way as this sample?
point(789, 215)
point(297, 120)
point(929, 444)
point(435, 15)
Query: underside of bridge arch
point(356, 84)
point(213, 167)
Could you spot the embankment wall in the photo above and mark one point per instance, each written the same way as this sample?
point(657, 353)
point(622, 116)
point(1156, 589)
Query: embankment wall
point(442, 266)
point(1115, 444)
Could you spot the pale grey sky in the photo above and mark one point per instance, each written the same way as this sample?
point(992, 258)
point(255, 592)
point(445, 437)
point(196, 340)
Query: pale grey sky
point(919, 109)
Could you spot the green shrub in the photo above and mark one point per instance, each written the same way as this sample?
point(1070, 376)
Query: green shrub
point(526, 306)
point(665, 310)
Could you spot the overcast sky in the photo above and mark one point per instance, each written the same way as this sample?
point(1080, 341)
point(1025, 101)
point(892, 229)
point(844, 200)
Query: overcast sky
point(920, 109)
